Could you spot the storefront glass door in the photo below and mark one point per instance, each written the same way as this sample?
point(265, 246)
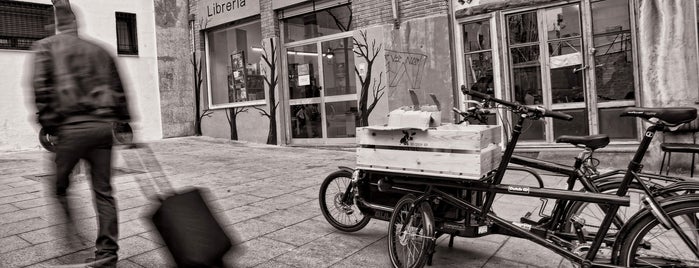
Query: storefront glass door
point(322, 92)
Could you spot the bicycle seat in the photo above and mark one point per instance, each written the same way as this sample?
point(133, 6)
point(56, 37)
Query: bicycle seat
point(593, 142)
point(667, 116)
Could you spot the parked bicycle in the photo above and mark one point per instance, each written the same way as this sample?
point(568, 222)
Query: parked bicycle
point(662, 234)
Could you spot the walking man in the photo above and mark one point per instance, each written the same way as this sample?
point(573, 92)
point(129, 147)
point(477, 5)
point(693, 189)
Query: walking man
point(79, 95)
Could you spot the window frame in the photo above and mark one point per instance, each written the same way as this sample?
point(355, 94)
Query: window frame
point(494, 50)
point(591, 106)
point(207, 48)
point(132, 31)
point(35, 10)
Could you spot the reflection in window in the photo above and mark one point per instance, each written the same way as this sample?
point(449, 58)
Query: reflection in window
point(523, 28)
point(338, 67)
point(563, 22)
point(303, 78)
point(532, 130)
point(578, 126)
point(613, 50)
point(526, 75)
point(342, 119)
point(478, 56)
point(234, 64)
point(306, 121)
point(617, 127)
point(476, 36)
point(566, 85)
point(319, 23)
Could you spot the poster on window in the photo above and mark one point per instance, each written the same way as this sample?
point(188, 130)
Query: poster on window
point(236, 90)
point(304, 75)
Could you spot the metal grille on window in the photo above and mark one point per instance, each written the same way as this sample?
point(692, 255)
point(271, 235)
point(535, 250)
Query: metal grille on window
point(127, 41)
point(23, 23)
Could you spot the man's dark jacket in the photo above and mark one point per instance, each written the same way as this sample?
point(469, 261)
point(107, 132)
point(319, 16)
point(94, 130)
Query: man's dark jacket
point(76, 80)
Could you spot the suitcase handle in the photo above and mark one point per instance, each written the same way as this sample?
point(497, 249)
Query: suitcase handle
point(140, 157)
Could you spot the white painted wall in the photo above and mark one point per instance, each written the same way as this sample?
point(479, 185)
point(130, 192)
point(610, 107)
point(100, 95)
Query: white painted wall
point(18, 127)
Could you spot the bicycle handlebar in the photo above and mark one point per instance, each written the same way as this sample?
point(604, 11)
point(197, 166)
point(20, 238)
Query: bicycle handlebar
point(541, 111)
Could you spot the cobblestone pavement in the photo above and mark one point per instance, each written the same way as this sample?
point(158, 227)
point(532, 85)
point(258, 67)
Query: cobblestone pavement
point(267, 195)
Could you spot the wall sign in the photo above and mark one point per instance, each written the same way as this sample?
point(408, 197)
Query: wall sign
point(217, 12)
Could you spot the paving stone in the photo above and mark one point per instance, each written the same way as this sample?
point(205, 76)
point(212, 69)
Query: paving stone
point(233, 201)
point(239, 214)
point(328, 250)
point(282, 201)
point(11, 243)
point(528, 253)
point(292, 215)
point(19, 197)
point(159, 257)
point(134, 227)
point(374, 255)
point(274, 264)
point(256, 251)
point(23, 226)
point(153, 235)
point(38, 253)
point(251, 229)
point(85, 227)
point(5, 208)
point(302, 233)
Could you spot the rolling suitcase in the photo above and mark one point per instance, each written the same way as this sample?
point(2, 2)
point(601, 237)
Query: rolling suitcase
point(190, 231)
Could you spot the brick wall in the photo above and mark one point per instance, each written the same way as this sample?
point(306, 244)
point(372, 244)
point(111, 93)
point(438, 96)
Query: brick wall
point(270, 24)
point(375, 12)
point(371, 12)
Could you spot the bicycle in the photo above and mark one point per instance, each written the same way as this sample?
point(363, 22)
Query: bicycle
point(414, 225)
point(585, 171)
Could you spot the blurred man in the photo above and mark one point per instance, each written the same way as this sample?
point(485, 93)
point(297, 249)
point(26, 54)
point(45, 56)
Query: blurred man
point(79, 95)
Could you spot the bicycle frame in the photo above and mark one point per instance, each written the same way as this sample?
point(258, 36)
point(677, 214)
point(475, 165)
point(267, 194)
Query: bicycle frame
point(611, 201)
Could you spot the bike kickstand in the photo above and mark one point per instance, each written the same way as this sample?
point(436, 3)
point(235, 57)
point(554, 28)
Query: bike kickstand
point(451, 241)
point(429, 259)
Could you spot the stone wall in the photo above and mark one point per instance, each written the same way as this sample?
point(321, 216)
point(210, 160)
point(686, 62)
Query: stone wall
point(174, 68)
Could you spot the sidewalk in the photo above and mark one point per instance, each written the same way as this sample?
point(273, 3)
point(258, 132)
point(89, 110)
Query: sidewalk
point(267, 194)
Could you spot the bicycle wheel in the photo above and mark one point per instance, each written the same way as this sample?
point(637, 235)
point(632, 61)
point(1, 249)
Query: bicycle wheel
point(410, 237)
point(344, 216)
point(649, 244)
point(593, 214)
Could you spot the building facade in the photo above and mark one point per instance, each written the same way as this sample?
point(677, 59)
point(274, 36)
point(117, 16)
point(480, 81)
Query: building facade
point(127, 28)
point(296, 72)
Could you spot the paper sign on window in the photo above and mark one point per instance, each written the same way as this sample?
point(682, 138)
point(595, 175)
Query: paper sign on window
point(304, 77)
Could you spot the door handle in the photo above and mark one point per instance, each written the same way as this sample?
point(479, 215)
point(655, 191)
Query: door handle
point(580, 69)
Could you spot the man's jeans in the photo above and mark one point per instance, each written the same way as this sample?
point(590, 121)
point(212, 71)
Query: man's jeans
point(91, 141)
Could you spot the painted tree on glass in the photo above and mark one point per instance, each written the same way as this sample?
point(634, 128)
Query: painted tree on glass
point(369, 54)
point(269, 56)
point(196, 63)
point(232, 116)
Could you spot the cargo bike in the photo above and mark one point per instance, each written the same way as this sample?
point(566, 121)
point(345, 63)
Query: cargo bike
point(423, 207)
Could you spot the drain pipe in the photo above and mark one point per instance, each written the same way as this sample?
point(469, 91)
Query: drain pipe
point(394, 6)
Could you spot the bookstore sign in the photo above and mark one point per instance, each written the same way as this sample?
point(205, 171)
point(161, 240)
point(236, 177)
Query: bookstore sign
point(217, 12)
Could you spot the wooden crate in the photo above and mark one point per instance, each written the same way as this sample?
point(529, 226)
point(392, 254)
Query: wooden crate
point(464, 152)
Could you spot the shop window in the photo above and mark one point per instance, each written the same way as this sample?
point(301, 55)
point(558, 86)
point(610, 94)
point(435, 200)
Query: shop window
point(320, 23)
point(235, 65)
point(547, 63)
point(23, 23)
point(478, 56)
point(127, 40)
point(614, 66)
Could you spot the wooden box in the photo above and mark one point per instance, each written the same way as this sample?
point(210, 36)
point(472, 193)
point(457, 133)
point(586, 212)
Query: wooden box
point(463, 152)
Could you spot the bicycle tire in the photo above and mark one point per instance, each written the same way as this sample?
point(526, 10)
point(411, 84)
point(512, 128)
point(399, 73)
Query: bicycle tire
point(673, 250)
point(339, 215)
point(423, 234)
